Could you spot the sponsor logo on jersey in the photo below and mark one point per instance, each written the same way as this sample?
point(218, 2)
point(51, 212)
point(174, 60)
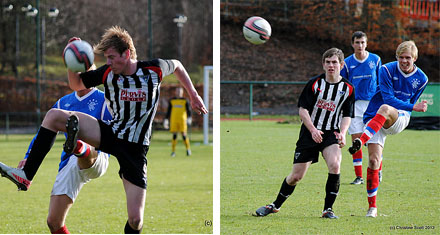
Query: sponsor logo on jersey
point(327, 105)
point(395, 78)
point(133, 94)
point(67, 105)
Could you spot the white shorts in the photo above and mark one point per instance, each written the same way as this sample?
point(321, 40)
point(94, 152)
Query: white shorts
point(357, 123)
point(400, 125)
point(71, 179)
point(356, 126)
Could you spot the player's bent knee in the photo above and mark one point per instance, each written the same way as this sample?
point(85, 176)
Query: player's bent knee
point(385, 110)
point(54, 223)
point(55, 119)
point(294, 179)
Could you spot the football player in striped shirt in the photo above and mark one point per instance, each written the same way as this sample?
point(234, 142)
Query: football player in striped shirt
point(400, 85)
point(178, 118)
point(326, 106)
point(361, 68)
point(132, 90)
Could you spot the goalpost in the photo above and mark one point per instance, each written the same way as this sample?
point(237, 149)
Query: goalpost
point(207, 98)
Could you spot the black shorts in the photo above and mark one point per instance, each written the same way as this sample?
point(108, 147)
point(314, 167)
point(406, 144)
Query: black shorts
point(132, 157)
point(308, 150)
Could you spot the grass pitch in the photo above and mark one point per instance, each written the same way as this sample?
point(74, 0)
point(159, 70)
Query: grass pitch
point(256, 157)
point(179, 193)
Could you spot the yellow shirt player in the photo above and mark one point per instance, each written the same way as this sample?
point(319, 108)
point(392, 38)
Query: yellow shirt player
point(179, 116)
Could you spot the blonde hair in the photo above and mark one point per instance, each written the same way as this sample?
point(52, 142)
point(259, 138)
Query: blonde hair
point(407, 46)
point(119, 39)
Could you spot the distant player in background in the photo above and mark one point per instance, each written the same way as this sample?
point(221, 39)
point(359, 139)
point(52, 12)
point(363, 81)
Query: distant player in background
point(326, 106)
point(179, 117)
point(400, 85)
point(361, 69)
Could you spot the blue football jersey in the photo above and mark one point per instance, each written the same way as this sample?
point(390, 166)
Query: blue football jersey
point(397, 89)
point(93, 103)
point(362, 74)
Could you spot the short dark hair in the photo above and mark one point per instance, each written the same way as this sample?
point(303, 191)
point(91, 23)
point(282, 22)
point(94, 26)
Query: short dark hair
point(358, 34)
point(331, 52)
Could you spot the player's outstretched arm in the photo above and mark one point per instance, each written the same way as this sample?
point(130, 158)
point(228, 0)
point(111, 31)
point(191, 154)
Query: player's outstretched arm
point(183, 77)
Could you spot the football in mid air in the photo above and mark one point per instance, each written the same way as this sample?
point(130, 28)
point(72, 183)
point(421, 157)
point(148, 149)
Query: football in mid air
point(257, 30)
point(78, 56)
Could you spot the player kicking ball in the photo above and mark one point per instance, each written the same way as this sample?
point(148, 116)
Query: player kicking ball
point(75, 169)
point(326, 106)
point(400, 85)
point(132, 92)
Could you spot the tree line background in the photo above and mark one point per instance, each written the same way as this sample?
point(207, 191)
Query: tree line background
point(89, 19)
point(302, 31)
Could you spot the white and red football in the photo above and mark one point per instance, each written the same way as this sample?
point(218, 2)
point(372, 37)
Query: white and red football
point(257, 30)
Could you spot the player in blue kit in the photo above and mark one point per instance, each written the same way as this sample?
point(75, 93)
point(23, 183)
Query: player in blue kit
point(74, 172)
point(400, 85)
point(361, 69)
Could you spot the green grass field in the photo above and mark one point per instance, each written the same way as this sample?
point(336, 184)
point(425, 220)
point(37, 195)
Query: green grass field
point(256, 157)
point(179, 194)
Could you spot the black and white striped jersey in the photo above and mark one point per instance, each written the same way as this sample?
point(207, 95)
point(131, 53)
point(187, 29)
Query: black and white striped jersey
point(132, 99)
point(327, 102)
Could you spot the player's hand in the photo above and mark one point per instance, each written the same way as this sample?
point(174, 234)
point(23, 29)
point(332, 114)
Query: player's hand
point(317, 135)
point(198, 106)
point(189, 121)
point(22, 163)
point(421, 107)
point(341, 139)
point(73, 39)
point(166, 124)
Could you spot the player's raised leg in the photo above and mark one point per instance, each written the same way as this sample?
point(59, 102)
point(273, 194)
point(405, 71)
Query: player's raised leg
point(54, 121)
point(386, 116)
point(135, 207)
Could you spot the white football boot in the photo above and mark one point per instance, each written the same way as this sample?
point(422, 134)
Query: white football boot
point(372, 212)
point(17, 176)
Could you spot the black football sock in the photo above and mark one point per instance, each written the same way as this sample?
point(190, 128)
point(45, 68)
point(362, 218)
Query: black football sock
point(42, 145)
point(331, 190)
point(129, 230)
point(285, 191)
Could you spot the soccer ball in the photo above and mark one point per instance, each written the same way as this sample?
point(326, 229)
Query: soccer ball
point(78, 56)
point(257, 30)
